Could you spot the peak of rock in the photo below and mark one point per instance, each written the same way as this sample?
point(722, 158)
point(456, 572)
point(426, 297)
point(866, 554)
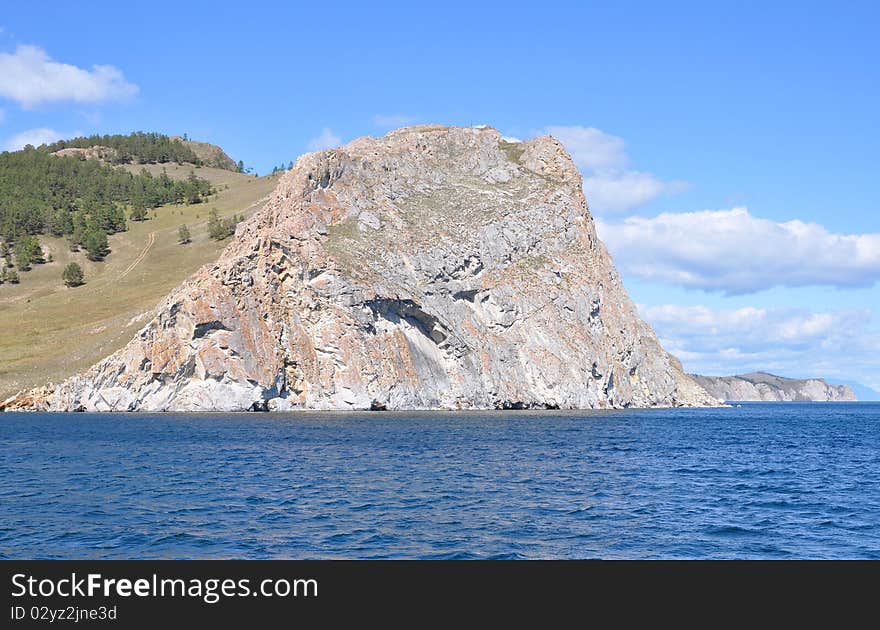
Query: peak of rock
point(434, 267)
point(209, 154)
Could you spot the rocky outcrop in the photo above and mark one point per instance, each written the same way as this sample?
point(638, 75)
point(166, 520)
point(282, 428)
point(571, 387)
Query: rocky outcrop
point(431, 268)
point(96, 152)
point(37, 399)
point(209, 154)
point(761, 386)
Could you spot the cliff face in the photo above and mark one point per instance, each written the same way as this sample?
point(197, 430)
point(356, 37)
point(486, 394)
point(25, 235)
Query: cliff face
point(431, 268)
point(760, 386)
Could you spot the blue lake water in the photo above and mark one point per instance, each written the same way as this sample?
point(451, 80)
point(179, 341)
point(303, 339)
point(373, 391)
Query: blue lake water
point(799, 480)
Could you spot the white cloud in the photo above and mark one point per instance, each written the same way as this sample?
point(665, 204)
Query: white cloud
point(616, 191)
point(608, 183)
point(30, 77)
point(34, 137)
point(749, 329)
point(590, 148)
point(326, 140)
point(787, 341)
point(393, 121)
point(735, 252)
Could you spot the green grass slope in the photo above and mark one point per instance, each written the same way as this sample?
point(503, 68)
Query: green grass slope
point(49, 332)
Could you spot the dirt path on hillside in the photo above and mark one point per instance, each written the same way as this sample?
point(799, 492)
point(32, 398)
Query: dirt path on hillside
point(150, 241)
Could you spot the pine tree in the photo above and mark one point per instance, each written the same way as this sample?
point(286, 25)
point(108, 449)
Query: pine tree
point(28, 252)
point(183, 235)
point(73, 275)
point(138, 209)
point(96, 245)
point(215, 226)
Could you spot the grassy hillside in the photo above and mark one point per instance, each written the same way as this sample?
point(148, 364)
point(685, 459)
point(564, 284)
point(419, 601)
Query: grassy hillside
point(49, 332)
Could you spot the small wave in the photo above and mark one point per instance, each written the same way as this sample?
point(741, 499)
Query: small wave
point(507, 556)
point(454, 555)
point(580, 510)
point(732, 530)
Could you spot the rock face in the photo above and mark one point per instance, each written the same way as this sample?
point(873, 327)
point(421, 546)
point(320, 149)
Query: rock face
point(431, 268)
point(761, 386)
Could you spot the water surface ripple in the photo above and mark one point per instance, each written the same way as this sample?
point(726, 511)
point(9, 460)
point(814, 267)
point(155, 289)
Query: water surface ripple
point(799, 480)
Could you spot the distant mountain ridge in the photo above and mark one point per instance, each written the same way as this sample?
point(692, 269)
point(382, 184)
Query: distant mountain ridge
point(762, 386)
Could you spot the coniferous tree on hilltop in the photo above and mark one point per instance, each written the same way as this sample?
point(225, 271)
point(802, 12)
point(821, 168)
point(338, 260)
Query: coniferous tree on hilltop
point(86, 199)
point(135, 148)
point(46, 194)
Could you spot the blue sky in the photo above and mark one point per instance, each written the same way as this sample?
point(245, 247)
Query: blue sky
point(729, 149)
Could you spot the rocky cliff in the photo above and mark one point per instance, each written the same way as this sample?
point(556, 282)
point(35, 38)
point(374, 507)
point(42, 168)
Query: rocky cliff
point(431, 268)
point(761, 386)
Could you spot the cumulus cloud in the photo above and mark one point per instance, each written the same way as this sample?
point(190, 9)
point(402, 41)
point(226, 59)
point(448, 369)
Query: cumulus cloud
point(734, 252)
point(326, 140)
point(609, 185)
point(749, 329)
point(30, 77)
point(393, 120)
point(34, 137)
point(615, 192)
point(789, 341)
point(591, 148)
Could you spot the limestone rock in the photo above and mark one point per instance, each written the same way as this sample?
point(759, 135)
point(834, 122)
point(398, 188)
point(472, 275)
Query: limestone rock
point(431, 268)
